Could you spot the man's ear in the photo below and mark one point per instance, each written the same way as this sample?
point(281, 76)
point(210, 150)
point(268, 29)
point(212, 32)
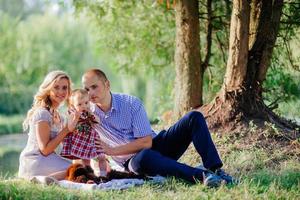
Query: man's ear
point(107, 84)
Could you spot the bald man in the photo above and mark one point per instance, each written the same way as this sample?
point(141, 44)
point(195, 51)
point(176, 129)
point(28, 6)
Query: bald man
point(126, 136)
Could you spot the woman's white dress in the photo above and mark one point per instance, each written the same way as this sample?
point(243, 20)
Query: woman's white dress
point(32, 162)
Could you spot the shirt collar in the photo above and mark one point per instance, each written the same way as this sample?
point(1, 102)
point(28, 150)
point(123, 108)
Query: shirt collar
point(114, 105)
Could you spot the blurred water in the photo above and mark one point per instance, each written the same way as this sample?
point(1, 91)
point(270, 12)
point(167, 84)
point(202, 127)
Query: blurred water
point(10, 149)
point(14, 141)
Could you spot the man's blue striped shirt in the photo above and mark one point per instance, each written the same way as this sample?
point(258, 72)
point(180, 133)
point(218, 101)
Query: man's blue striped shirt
point(126, 121)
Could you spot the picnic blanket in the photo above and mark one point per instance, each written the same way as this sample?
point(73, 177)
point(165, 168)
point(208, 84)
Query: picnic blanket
point(115, 184)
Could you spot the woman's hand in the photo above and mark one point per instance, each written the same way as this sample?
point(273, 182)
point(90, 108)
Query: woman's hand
point(73, 118)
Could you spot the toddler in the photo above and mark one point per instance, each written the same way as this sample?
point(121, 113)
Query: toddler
point(81, 143)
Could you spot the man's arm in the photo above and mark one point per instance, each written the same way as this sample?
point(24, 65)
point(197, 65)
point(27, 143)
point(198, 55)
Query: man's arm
point(129, 148)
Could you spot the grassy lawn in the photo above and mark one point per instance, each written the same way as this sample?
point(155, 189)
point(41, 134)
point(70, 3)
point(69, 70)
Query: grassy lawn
point(263, 185)
point(267, 167)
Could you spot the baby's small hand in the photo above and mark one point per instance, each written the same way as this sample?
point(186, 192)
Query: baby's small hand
point(73, 118)
point(97, 119)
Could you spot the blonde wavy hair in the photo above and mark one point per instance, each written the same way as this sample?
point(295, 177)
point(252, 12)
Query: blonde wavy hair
point(42, 97)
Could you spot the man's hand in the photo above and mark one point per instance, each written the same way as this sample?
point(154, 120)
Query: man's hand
point(129, 148)
point(108, 150)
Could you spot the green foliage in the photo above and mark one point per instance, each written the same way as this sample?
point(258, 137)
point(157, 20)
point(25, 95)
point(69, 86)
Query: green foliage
point(11, 124)
point(62, 42)
point(19, 8)
point(135, 43)
point(59, 42)
point(136, 39)
point(290, 20)
point(134, 35)
point(282, 85)
point(16, 99)
point(31, 48)
point(220, 19)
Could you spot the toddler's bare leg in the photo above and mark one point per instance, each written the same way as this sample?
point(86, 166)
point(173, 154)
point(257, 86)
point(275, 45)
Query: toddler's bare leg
point(103, 165)
point(86, 162)
point(77, 161)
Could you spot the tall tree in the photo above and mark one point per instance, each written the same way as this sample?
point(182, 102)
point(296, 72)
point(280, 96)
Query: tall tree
point(253, 33)
point(188, 82)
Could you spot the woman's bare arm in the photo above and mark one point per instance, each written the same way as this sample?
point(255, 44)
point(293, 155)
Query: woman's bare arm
point(46, 145)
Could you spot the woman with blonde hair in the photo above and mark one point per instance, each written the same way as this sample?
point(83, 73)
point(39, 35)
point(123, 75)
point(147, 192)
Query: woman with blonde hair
point(46, 130)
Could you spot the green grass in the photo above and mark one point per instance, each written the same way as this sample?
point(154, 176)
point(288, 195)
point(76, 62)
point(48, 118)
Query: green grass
point(9, 159)
point(259, 180)
point(11, 124)
point(263, 184)
point(268, 169)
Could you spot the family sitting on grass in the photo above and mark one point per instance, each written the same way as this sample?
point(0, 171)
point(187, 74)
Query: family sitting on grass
point(101, 123)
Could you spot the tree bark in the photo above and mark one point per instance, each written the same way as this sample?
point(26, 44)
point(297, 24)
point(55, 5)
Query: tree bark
point(188, 81)
point(238, 46)
point(207, 56)
point(264, 25)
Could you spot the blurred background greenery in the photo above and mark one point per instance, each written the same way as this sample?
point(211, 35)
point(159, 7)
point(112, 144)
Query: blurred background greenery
point(132, 41)
point(40, 36)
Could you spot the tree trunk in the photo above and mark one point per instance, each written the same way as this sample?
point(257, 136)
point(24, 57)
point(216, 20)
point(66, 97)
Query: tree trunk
point(240, 99)
point(224, 107)
point(238, 46)
point(209, 30)
point(188, 81)
point(265, 20)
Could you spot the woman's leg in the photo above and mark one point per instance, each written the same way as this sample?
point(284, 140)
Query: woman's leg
point(50, 179)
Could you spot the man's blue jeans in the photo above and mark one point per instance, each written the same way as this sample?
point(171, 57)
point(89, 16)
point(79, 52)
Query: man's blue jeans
point(168, 146)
